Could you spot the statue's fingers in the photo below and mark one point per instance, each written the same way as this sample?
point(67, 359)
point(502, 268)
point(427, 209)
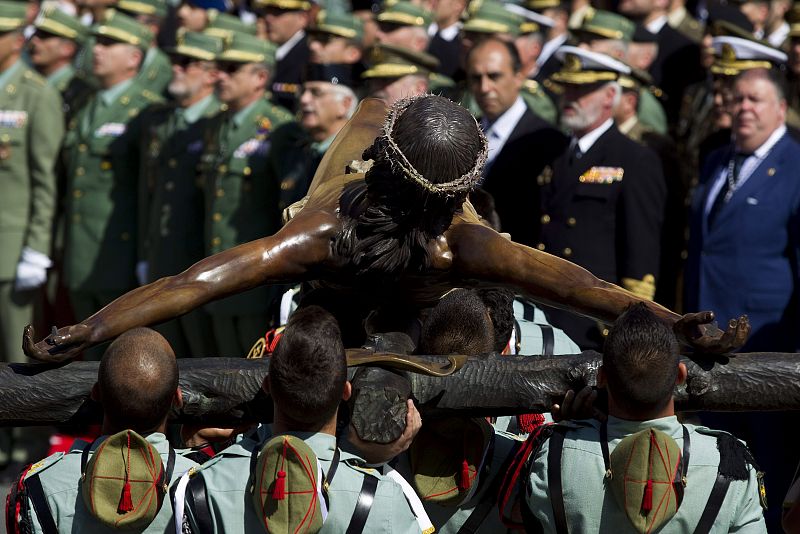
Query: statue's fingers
point(742, 330)
point(28, 346)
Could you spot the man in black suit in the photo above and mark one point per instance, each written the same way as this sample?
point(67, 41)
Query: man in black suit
point(445, 33)
point(677, 64)
point(520, 142)
point(286, 22)
point(603, 197)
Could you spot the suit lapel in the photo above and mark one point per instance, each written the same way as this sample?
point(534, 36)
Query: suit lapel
point(566, 177)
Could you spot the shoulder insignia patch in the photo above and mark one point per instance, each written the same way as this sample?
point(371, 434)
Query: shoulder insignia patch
point(602, 175)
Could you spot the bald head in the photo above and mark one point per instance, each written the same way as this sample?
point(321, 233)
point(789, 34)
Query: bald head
point(137, 380)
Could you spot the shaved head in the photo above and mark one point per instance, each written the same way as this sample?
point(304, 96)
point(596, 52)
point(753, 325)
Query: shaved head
point(137, 380)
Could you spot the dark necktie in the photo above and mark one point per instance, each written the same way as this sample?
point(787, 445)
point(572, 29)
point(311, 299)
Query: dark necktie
point(575, 152)
point(729, 184)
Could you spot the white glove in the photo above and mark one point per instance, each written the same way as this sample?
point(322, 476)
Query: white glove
point(31, 270)
point(142, 271)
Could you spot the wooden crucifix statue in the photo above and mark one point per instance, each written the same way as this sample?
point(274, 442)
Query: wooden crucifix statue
point(402, 233)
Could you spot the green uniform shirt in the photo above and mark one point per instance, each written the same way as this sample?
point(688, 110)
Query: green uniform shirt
point(171, 206)
point(651, 112)
point(31, 130)
point(60, 475)
point(590, 509)
point(232, 511)
point(101, 153)
point(242, 192)
point(156, 71)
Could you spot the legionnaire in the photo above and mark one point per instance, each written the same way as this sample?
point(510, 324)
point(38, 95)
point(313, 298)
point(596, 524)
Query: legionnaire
point(155, 71)
point(642, 470)
point(602, 198)
point(327, 102)
point(31, 129)
point(241, 198)
point(398, 72)
point(337, 38)
point(101, 153)
point(356, 498)
point(120, 480)
point(172, 205)
point(531, 38)
point(404, 24)
point(53, 47)
point(286, 22)
point(225, 26)
point(557, 11)
point(445, 34)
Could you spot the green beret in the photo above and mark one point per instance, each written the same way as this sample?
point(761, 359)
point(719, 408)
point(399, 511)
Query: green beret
point(54, 21)
point(392, 61)
point(404, 13)
point(124, 29)
point(12, 15)
point(243, 48)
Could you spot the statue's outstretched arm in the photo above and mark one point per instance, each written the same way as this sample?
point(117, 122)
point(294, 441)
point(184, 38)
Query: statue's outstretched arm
point(482, 254)
point(289, 255)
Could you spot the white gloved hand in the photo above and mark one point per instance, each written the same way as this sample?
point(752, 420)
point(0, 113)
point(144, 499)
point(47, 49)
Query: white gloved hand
point(142, 272)
point(31, 270)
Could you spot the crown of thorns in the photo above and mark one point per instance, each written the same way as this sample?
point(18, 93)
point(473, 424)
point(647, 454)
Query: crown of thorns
point(394, 155)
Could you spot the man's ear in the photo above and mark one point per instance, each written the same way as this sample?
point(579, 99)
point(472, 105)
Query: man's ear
point(95, 394)
point(178, 400)
point(347, 391)
point(602, 379)
point(682, 374)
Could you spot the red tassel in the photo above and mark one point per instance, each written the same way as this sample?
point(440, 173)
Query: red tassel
point(528, 422)
point(465, 482)
point(279, 493)
point(125, 502)
point(647, 502)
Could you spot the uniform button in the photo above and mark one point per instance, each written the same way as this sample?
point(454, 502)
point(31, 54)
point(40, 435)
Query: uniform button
point(169, 186)
point(76, 217)
point(125, 236)
point(82, 147)
point(285, 185)
point(217, 217)
point(215, 242)
point(545, 218)
point(172, 163)
point(567, 252)
point(77, 193)
point(223, 168)
point(220, 193)
point(105, 165)
point(540, 246)
point(247, 171)
point(571, 222)
point(80, 171)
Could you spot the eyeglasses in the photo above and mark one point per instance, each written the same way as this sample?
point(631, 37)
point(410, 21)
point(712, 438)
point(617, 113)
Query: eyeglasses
point(230, 68)
point(185, 62)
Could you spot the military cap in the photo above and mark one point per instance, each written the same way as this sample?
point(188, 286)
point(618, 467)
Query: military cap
point(584, 67)
point(447, 457)
point(492, 18)
point(339, 24)
point(733, 55)
point(286, 5)
point(601, 24)
point(196, 45)
point(224, 25)
point(124, 482)
point(333, 73)
point(54, 21)
point(124, 29)
point(12, 15)
point(242, 48)
point(727, 20)
point(638, 79)
point(532, 22)
point(405, 13)
point(539, 5)
point(157, 8)
point(392, 61)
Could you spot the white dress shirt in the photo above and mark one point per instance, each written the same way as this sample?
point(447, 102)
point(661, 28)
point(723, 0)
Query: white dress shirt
point(656, 25)
point(586, 142)
point(448, 34)
point(498, 132)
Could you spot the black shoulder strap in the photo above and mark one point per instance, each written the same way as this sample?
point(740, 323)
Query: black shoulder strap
point(364, 505)
point(713, 505)
point(197, 499)
point(489, 499)
point(548, 339)
point(170, 468)
point(528, 310)
point(554, 480)
point(36, 494)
